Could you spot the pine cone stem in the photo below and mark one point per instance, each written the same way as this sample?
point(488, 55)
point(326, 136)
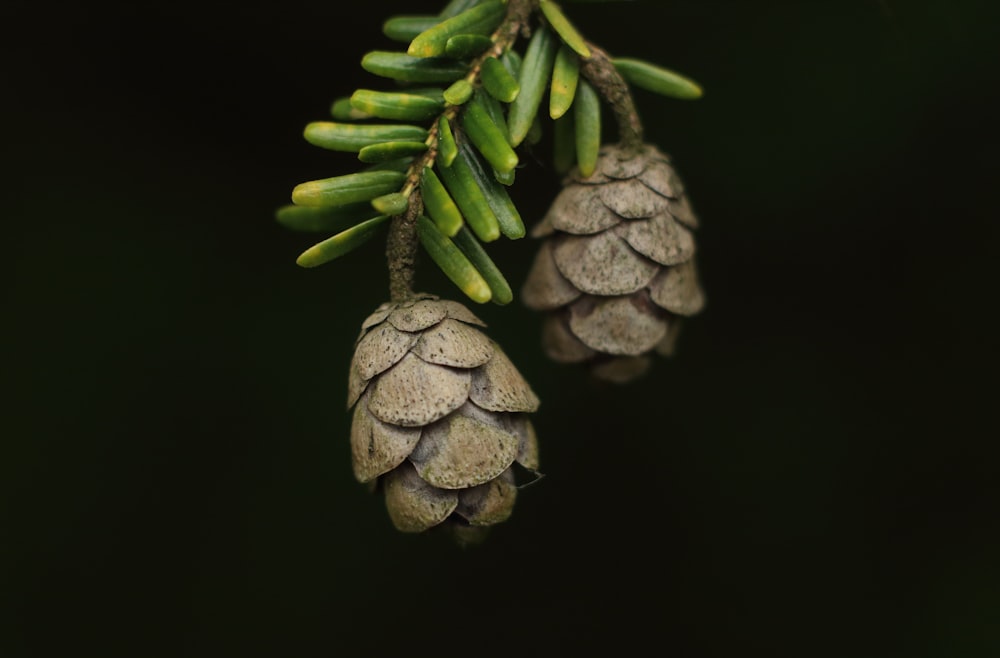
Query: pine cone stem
point(601, 72)
point(401, 250)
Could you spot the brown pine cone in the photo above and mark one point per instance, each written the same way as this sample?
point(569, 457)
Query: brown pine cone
point(440, 417)
point(616, 270)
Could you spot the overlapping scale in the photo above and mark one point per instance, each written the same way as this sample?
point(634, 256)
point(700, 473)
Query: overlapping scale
point(602, 264)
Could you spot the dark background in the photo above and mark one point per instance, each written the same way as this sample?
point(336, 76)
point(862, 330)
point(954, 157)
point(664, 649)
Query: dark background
point(811, 475)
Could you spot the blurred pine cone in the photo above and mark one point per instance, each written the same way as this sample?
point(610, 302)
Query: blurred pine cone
point(616, 271)
point(440, 418)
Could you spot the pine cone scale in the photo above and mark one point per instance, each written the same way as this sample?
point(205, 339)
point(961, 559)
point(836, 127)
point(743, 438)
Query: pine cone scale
point(580, 212)
point(376, 318)
point(417, 316)
point(659, 238)
point(624, 164)
point(489, 503)
point(498, 386)
point(631, 199)
point(677, 290)
point(380, 349)
point(464, 450)
point(681, 211)
point(378, 447)
point(413, 504)
point(415, 393)
point(546, 288)
point(452, 343)
point(602, 264)
point(617, 325)
point(662, 179)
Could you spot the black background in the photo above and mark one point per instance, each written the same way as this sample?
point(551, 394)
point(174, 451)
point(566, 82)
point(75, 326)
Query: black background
point(811, 475)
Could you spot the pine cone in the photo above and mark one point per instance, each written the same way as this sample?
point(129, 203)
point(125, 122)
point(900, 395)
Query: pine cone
point(616, 271)
point(440, 419)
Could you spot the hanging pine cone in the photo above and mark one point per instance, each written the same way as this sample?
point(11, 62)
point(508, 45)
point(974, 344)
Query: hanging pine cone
point(616, 271)
point(440, 418)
